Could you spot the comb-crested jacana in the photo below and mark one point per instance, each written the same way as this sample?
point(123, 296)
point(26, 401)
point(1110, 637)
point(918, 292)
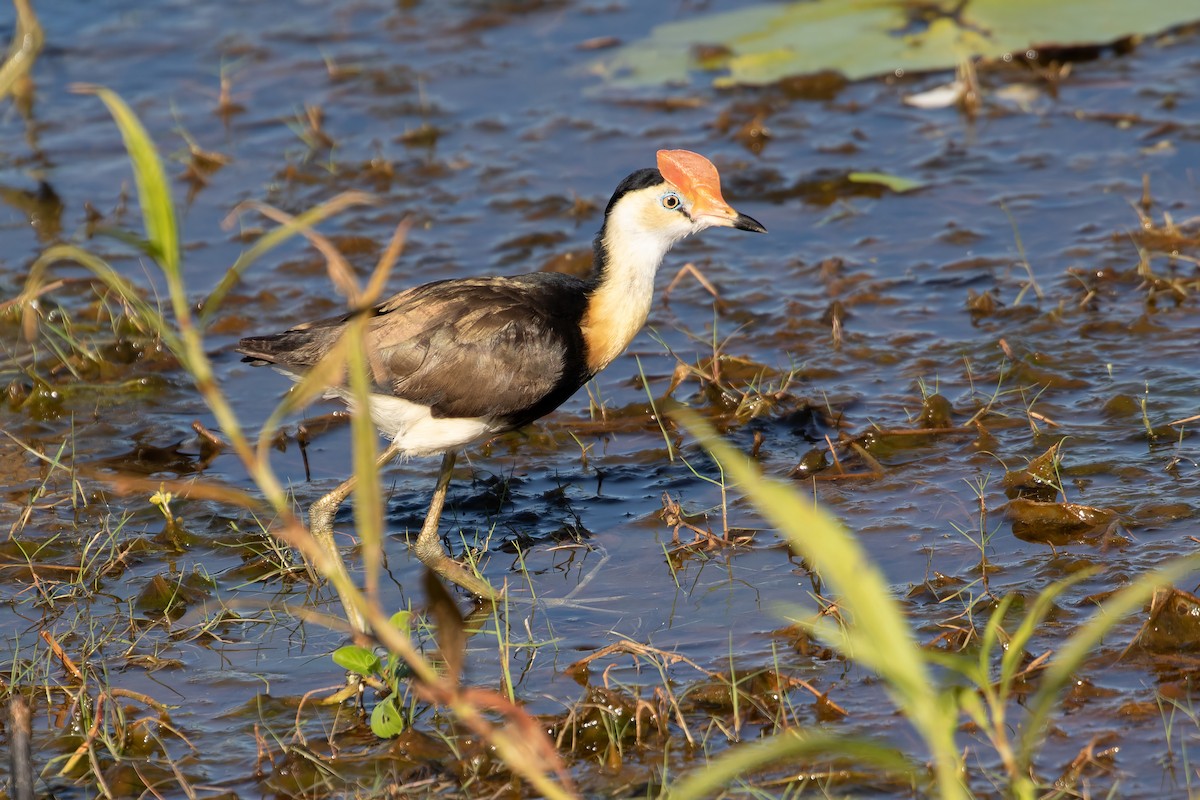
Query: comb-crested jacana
point(455, 362)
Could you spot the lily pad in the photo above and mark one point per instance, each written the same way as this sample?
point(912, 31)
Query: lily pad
point(761, 44)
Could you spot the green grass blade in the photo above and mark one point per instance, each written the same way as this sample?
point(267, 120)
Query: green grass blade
point(145, 313)
point(991, 635)
point(1011, 661)
point(654, 411)
point(27, 42)
point(154, 192)
point(162, 236)
point(786, 746)
point(368, 500)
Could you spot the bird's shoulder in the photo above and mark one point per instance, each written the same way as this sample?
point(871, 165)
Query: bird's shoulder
point(540, 293)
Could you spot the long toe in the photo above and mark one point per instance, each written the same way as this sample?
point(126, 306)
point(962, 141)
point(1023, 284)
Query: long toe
point(440, 562)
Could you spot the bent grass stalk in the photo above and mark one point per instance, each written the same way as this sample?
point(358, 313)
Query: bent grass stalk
point(23, 51)
point(520, 744)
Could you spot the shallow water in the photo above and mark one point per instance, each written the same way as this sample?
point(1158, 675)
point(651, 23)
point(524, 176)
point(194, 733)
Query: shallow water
point(487, 124)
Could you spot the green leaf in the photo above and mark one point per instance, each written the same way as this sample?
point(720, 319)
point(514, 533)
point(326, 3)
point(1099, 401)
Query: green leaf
point(386, 719)
point(402, 621)
point(893, 182)
point(358, 660)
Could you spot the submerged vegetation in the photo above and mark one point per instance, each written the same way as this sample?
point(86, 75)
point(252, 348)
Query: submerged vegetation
point(130, 649)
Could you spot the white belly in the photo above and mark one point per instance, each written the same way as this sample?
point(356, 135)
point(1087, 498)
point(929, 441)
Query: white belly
point(414, 428)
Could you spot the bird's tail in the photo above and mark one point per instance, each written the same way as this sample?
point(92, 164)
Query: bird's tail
point(297, 348)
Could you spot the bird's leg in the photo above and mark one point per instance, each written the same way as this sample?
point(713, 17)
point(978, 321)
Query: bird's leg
point(428, 546)
point(320, 524)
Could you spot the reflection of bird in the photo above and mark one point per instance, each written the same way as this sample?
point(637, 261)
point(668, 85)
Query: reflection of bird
point(457, 361)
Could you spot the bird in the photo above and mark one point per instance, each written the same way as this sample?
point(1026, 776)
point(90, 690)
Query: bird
point(456, 362)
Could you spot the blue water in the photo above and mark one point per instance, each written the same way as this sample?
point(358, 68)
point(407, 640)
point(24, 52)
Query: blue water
point(526, 132)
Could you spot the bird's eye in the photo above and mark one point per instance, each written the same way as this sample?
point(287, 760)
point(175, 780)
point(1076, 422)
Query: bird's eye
point(671, 201)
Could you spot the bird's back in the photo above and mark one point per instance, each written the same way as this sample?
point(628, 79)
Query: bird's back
point(505, 349)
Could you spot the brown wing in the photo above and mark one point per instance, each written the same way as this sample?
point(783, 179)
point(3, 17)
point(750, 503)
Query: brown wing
point(499, 347)
point(508, 348)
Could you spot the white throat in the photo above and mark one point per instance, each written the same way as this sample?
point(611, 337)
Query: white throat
point(621, 303)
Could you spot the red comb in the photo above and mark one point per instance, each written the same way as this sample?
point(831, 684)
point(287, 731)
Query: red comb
point(689, 171)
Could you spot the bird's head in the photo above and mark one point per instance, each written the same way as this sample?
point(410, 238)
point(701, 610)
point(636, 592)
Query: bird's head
point(681, 197)
point(650, 211)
